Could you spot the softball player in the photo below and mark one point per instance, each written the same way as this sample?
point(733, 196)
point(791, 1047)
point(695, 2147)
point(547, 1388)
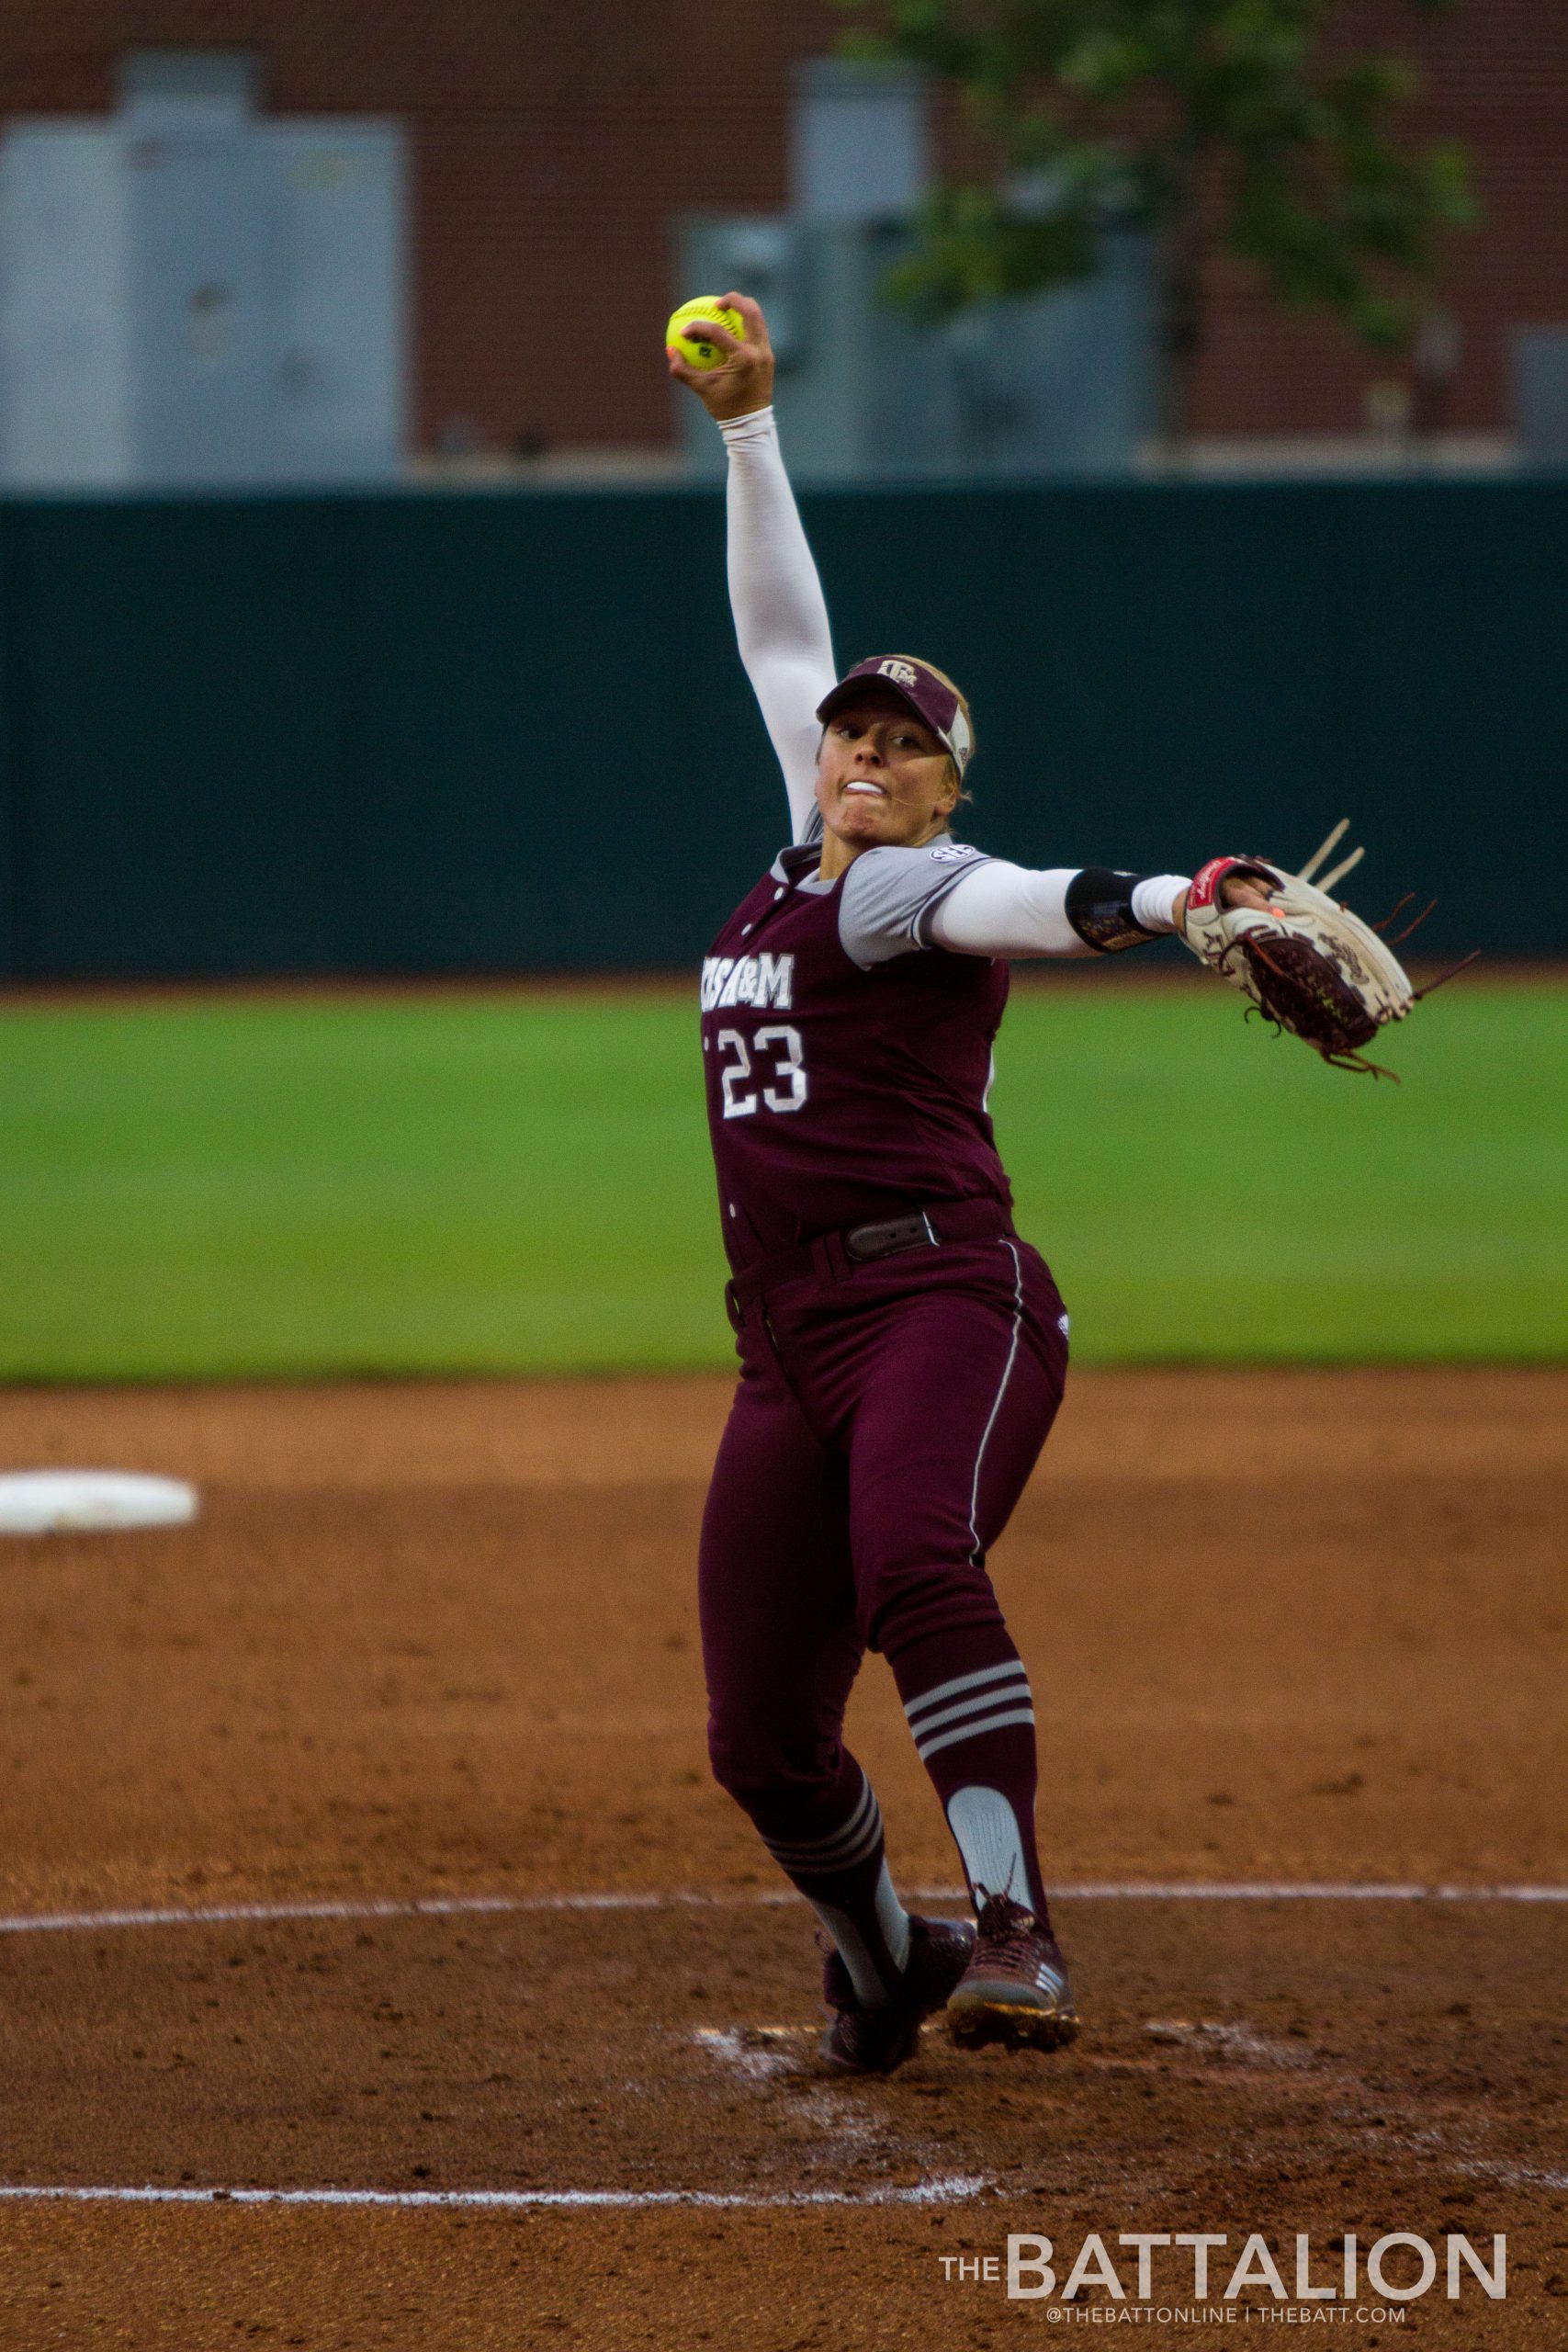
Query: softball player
point(902, 1349)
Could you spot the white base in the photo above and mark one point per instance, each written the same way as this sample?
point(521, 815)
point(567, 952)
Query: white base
point(48, 1502)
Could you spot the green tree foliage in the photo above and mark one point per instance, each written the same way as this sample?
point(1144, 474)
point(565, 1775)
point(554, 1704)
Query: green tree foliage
point(1235, 126)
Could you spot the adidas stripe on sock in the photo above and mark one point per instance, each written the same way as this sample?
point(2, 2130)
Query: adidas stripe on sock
point(975, 1733)
point(840, 1849)
point(990, 1699)
point(843, 1875)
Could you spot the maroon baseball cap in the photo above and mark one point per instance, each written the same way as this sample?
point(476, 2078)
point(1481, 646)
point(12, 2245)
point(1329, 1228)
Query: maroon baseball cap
point(926, 691)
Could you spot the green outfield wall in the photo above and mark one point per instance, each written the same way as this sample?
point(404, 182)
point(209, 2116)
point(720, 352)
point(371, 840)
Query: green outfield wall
point(427, 733)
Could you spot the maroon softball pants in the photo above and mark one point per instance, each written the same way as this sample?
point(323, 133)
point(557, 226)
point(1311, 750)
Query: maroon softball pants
point(885, 1424)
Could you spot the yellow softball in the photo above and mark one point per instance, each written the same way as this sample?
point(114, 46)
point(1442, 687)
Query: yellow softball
point(693, 349)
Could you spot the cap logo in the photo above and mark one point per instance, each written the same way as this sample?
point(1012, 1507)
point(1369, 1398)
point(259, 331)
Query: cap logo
point(899, 672)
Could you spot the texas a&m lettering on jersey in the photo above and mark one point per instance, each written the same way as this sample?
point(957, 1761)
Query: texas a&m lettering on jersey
point(761, 981)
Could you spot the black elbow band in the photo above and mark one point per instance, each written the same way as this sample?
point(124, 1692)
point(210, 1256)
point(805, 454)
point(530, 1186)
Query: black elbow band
point(1099, 908)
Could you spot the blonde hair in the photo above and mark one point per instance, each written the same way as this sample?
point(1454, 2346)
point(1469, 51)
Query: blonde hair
point(963, 701)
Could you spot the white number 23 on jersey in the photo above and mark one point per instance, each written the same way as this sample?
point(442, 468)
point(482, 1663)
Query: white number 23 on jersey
point(773, 1060)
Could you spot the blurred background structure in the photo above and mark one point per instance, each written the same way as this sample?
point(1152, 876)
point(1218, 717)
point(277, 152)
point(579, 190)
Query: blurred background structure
point(343, 496)
point(1057, 383)
point(556, 158)
point(195, 293)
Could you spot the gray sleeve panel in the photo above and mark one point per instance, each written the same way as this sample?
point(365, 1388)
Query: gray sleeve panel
point(887, 897)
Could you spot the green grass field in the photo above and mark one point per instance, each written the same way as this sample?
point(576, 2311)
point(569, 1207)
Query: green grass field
point(518, 1181)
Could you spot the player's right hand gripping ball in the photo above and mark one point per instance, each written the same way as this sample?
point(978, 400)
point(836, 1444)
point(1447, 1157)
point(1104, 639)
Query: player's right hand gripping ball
point(695, 349)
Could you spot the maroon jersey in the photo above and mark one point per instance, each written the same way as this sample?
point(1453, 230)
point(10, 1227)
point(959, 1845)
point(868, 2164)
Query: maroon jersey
point(848, 1061)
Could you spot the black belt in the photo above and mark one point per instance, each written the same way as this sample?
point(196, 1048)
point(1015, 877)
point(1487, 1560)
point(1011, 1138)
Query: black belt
point(833, 1254)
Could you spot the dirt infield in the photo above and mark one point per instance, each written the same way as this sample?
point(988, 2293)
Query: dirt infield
point(436, 1643)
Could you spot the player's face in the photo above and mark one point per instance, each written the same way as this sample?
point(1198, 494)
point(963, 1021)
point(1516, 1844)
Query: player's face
point(883, 777)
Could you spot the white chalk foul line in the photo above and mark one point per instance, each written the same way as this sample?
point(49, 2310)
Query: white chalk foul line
point(942, 2189)
point(436, 1907)
point(446, 1906)
point(1190, 1890)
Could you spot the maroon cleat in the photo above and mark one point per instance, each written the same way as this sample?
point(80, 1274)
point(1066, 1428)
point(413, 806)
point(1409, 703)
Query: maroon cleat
point(874, 2042)
point(1015, 1989)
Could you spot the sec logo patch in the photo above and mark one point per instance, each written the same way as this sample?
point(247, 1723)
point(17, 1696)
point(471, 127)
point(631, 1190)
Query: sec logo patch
point(954, 853)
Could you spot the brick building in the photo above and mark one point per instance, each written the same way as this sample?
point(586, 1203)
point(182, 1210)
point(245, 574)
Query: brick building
point(553, 146)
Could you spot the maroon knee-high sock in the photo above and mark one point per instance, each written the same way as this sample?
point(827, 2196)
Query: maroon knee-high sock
point(968, 1700)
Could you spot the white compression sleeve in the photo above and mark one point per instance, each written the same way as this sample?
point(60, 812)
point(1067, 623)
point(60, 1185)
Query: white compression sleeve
point(1002, 910)
point(780, 617)
point(1154, 899)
